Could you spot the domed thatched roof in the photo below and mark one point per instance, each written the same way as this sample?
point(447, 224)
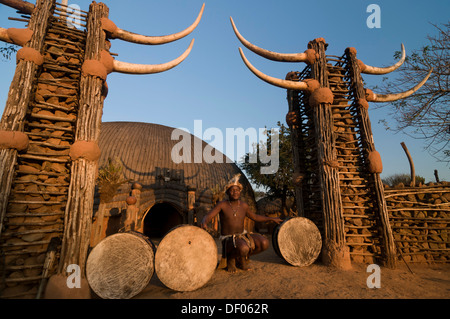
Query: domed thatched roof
point(272, 206)
point(145, 152)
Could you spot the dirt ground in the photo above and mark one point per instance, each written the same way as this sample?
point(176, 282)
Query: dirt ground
point(272, 278)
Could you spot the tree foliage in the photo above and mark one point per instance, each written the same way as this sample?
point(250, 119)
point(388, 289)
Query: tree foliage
point(7, 51)
point(426, 114)
point(279, 184)
point(110, 178)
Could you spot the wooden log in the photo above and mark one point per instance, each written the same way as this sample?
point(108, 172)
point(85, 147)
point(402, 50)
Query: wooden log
point(19, 97)
point(334, 240)
point(389, 248)
point(53, 118)
point(120, 266)
point(50, 260)
point(186, 258)
point(436, 175)
point(411, 164)
point(44, 158)
point(51, 127)
point(297, 241)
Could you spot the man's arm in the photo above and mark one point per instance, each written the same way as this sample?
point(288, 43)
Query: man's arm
point(261, 218)
point(210, 215)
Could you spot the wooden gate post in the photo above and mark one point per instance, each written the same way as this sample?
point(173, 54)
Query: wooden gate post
point(335, 252)
point(19, 96)
point(372, 158)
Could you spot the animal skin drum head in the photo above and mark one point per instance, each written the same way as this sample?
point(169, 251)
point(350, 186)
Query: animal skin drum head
point(298, 241)
point(186, 258)
point(120, 266)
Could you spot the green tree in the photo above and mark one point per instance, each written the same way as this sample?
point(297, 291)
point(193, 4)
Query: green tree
point(425, 114)
point(279, 184)
point(110, 178)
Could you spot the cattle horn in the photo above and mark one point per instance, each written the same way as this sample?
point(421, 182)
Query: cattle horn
point(152, 40)
point(380, 98)
point(274, 56)
point(4, 36)
point(286, 84)
point(378, 71)
point(131, 68)
point(21, 5)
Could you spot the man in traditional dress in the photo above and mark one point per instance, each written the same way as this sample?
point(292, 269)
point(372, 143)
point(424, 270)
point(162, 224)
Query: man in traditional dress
point(237, 244)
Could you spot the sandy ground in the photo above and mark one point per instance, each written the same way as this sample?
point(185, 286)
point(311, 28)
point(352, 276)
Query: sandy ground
point(273, 278)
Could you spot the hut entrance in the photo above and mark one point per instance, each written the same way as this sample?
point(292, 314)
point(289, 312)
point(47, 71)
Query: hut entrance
point(160, 219)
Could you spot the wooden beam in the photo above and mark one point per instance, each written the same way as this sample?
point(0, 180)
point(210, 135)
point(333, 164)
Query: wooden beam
point(19, 97)
point(22, 6)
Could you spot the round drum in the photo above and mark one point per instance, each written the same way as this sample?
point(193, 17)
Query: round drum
point(298, 241)
point(121, 265)
point(186, 258)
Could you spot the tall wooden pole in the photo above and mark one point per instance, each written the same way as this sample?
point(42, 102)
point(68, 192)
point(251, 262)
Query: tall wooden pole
point(411, 165)
point(19, 96)
point(389, 249)
point(335, 252)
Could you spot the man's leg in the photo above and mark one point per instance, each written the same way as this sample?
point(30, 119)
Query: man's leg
point(261, 244)
point(242, 253)
point(235, 253)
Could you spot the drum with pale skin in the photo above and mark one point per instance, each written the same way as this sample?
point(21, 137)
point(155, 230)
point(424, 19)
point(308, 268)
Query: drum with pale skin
point(186, 258)
point(298, 241)
point(121, 265)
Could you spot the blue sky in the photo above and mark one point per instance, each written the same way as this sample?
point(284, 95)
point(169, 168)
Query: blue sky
point(214, 85)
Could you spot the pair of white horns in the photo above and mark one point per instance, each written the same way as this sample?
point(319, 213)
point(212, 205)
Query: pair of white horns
point(117, 33)
point(305, 57)
point(132, 68)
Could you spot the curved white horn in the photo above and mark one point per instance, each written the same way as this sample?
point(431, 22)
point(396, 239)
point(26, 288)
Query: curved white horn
point(142, 39)
point(274, 56)
point(286, 84)
point(4, 35)
point(20, 5)
point(397, 96)
point(374, 70)
point(131, 68)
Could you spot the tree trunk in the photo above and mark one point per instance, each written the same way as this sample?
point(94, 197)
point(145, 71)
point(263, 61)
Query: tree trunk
point(389, 250)
point(411, 165)
point(18, 99)
point(335, 253)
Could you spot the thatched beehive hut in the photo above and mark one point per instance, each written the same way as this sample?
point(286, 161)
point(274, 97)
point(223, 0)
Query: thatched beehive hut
point(168, 193)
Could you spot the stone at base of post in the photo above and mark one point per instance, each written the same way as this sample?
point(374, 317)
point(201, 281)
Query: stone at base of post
point(57, 288)
point(336, 256)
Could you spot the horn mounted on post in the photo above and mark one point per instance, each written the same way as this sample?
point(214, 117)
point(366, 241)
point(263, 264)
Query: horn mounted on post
point(309, 56)
point(274, 56)
point(130, 68)
point(15, 36)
